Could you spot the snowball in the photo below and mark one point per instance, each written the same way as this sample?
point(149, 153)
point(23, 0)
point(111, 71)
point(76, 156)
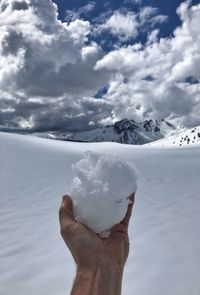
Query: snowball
point(101, 189)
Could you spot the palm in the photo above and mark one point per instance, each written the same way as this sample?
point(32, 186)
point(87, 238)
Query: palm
point(87, 247)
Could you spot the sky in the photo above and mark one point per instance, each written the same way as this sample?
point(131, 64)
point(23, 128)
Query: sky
point(77, 65)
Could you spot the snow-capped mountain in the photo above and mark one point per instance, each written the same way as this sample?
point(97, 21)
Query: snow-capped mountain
point(180, 138)
point(125, 131)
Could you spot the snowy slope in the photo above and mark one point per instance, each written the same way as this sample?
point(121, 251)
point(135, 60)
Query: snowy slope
point(125, 131)
point(185, 137)
point(164, 231)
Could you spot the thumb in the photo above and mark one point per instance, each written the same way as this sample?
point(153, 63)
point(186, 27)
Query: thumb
point(67, 203)
point(66, 215)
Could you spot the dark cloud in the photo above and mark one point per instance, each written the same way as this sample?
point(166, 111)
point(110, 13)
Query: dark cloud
point(19, 5)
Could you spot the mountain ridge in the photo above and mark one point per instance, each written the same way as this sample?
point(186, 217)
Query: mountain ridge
point(125, 131)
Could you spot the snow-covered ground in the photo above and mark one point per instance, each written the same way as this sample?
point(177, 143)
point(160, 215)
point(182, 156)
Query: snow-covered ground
point(180, 138)
point(164, 231)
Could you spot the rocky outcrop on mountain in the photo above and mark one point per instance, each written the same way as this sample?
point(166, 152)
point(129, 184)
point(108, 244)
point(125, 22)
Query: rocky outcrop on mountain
point(180, 138)
point(126, 131)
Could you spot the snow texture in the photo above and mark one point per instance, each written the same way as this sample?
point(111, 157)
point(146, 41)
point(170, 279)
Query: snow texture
point(101, 190)
point(163, 231)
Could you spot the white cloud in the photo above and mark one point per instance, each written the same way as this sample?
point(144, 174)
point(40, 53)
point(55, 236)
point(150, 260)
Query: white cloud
point(78, 30)
point(91, 52)
point(150, 15)
point(125, 26)
point(39, 48)
point(41, 57)
point(80, 12)
point(153, 36)
point(88, 7)
point(50, 70)
point(159, 19)
point(151, 81)
point(147, 12)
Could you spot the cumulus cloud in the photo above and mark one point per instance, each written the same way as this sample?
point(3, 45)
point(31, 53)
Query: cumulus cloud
point(45, 59)
point(42, 50)
point(50, 70)
point(151, 80)
point(126, 25)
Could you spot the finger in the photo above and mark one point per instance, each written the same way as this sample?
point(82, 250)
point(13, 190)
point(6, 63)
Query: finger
point(66, 214)
point(67, 203)
point(122, 227)
point(126, 219)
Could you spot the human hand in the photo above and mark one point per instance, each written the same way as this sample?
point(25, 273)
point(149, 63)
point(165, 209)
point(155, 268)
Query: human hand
point(92, 253)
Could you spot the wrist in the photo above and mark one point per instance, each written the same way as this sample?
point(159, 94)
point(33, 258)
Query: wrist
point(98, 279)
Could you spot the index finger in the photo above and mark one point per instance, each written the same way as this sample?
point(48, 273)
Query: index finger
point(126, 219)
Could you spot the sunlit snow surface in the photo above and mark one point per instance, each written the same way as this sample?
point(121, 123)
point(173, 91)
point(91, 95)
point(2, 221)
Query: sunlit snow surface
point(164, 231)
point(101, 190)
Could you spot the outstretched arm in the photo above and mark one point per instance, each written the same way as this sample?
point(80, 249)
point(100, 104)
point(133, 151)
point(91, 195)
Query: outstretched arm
point(100, 262)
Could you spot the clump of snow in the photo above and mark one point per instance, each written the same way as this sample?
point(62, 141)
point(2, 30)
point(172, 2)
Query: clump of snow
point(101, 190)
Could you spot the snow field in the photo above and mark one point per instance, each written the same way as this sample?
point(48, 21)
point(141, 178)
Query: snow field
point(164, 230)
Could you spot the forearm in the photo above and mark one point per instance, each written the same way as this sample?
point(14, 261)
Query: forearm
point(100, 280)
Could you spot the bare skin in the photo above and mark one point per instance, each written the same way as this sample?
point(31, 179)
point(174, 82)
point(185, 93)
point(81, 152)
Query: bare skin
point(100, 262)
